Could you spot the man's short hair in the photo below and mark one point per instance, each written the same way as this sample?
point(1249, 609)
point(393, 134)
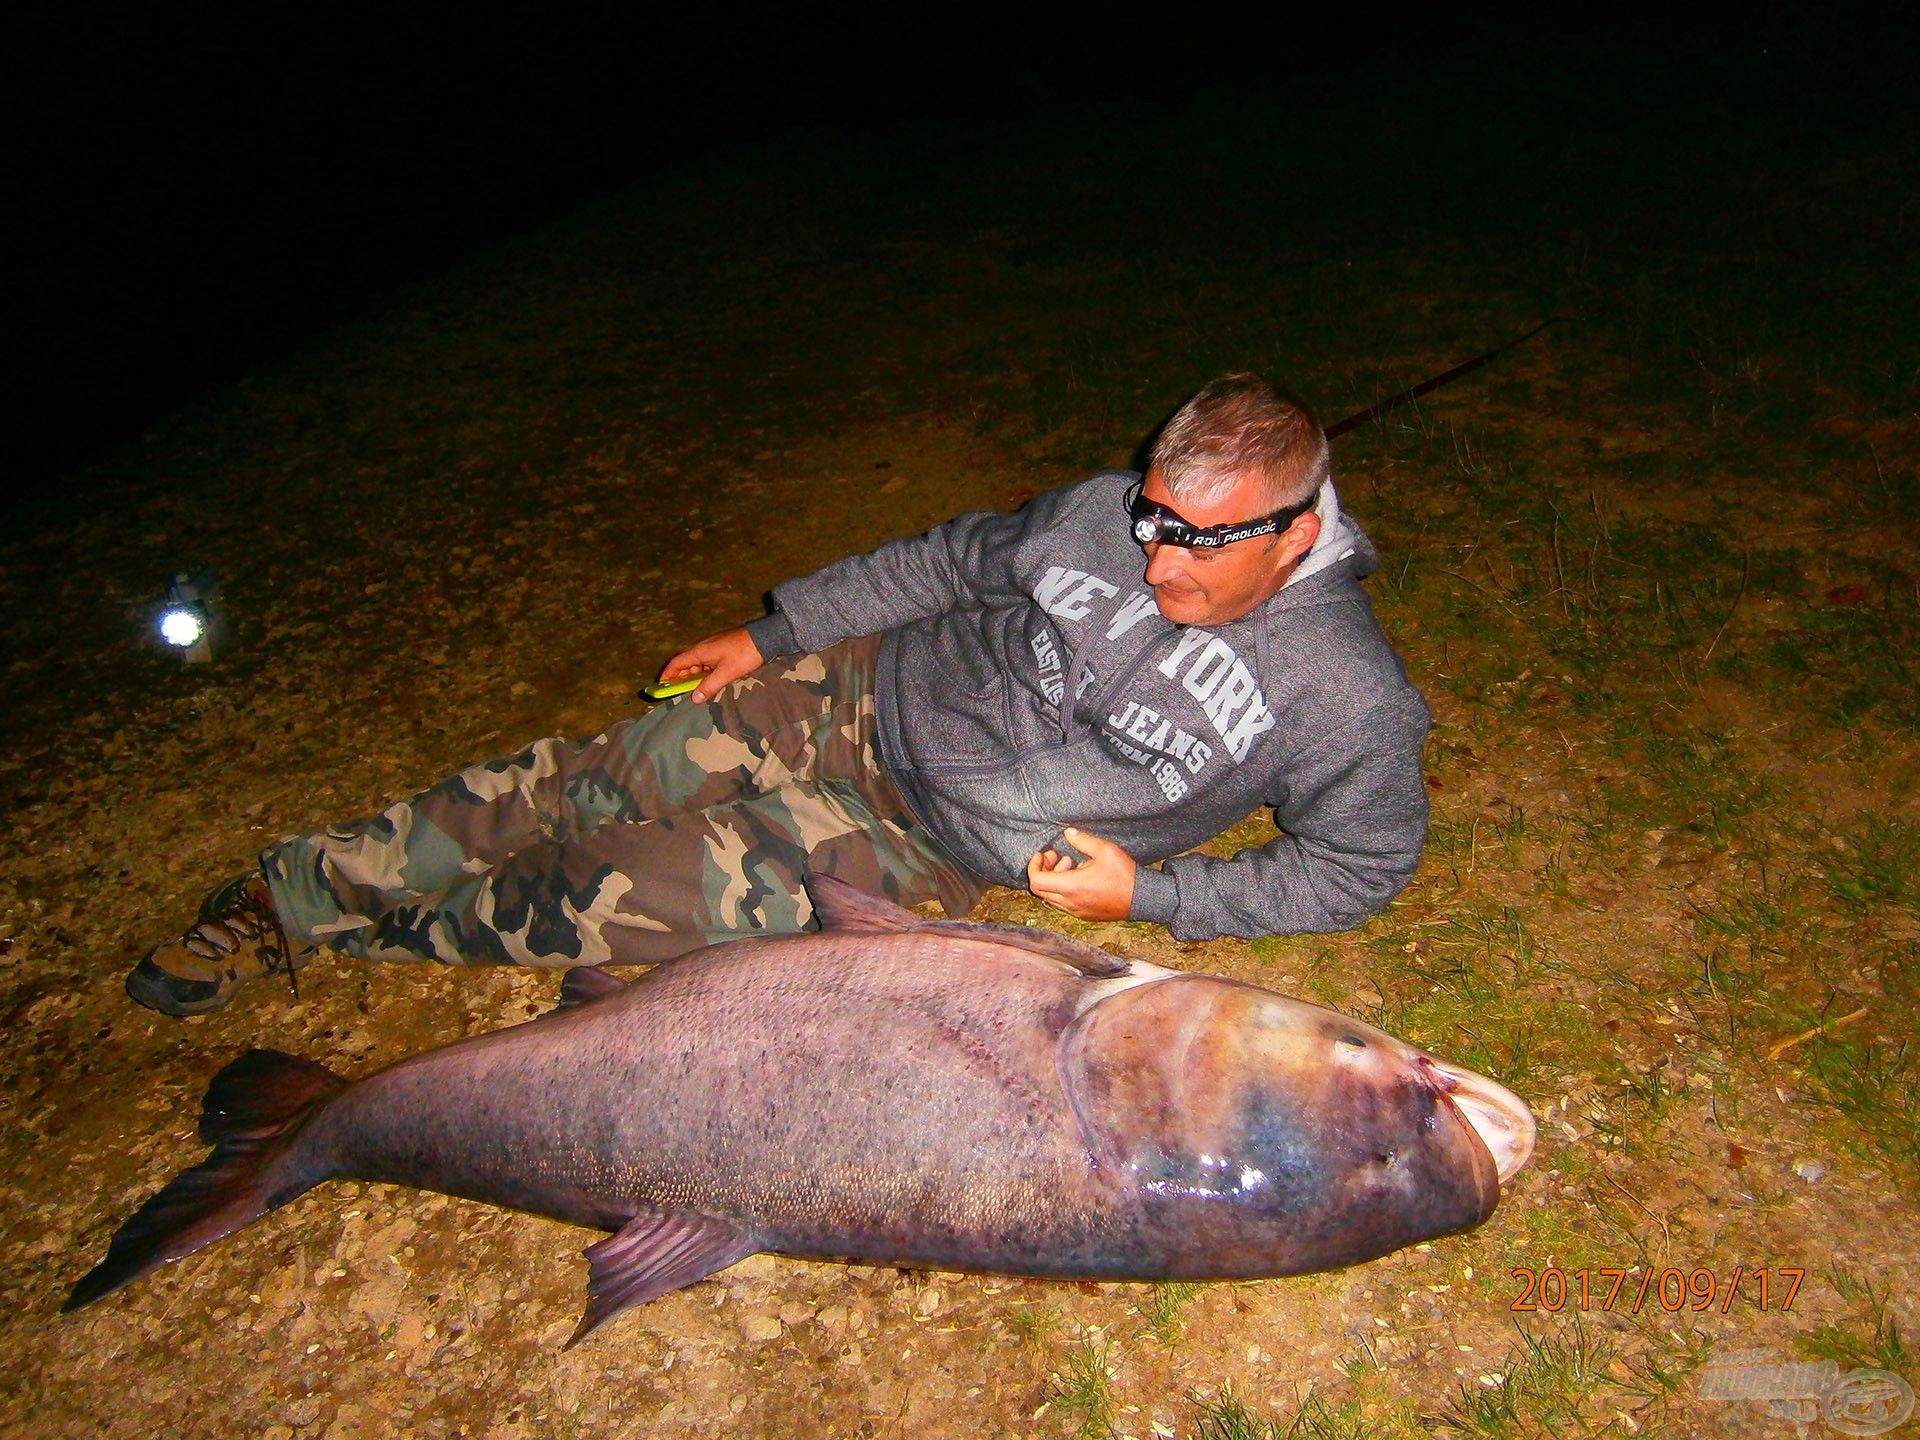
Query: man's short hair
point(1240, 425)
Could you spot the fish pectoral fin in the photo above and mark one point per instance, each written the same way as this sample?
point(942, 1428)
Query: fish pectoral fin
point(587, 982)
point(653, 1253)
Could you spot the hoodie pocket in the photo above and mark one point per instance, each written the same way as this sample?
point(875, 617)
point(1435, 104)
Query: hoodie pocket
point(964, 733)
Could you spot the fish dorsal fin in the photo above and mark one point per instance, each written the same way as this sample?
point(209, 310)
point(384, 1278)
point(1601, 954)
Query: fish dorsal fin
point(841, 906)
point(653, 1253)
point(1094, 963)
point(587, 982)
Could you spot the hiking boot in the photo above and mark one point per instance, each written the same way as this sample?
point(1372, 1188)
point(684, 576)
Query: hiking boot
point(237, 937)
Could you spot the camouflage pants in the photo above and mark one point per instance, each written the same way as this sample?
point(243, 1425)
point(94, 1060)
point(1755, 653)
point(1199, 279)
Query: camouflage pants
point(688, 824)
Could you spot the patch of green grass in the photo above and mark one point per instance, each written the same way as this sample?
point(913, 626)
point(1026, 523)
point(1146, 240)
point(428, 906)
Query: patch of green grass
point(1881, 493)
point(1869, 1337)
point(1877, 1088)
point(1455, 839)
point(1549, 1231)
point(1875, 861)
point(1846, 659)
point(1661, 1371)
point(1271, 949)
point(1550, 1385)
point(1226, 1417)
point(1363, 1363)
point(1892, 964)
point(1632, 1130)
point(1164, 1313)
point(1081, 1390)
point(1656, 1092)
point(1300, 953)
point(1034, 1325)
point(1599, 825)
point(1841, 686)
point(1705, 782)
point(1504, 828)
point(1317, 1419)
point(1469, 985)
point(1770, 940)
point(1731, 965)
point(1753, 915)
point(1790, 953)
point(1574, 1240)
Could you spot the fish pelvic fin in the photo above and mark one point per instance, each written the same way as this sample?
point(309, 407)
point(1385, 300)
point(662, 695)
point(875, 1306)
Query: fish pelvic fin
point(252, 1109)
point(652, 1254)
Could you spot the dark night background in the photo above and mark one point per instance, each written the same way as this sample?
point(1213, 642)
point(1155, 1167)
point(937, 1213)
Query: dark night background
point(202, 187)
point(207, 186)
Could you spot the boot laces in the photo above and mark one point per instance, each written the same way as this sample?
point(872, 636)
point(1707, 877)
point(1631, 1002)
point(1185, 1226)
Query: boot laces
point(249, 920)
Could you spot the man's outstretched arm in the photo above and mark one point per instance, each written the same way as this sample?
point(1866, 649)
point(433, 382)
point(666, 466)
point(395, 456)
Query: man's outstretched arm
point(972, 559)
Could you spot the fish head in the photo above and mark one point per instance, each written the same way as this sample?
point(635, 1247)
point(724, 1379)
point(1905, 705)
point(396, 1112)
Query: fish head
point(1261, 1121)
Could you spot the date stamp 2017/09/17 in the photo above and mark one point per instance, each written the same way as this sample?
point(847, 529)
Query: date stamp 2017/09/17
point(1672, 1289)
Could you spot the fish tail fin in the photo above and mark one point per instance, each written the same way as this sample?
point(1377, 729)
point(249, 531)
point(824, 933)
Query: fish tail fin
point(252, 1112)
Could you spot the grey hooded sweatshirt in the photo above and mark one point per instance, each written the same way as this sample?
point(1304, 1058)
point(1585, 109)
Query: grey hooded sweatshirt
point(1173, 733)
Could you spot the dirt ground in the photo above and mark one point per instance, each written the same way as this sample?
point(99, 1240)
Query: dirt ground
point(487, 509)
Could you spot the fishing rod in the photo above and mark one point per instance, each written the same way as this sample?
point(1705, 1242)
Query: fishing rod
point(662, 691)
point(1446, 377)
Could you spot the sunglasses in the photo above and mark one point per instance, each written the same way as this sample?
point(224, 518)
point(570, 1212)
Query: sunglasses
point(1155, 524)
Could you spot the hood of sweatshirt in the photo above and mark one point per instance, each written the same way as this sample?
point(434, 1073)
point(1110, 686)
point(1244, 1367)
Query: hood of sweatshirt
point(1338, 541)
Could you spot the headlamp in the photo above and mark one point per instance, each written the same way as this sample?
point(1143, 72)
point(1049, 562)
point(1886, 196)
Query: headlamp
point(1155, 524)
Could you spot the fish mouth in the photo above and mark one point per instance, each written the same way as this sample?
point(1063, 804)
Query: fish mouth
point(1498, 1116)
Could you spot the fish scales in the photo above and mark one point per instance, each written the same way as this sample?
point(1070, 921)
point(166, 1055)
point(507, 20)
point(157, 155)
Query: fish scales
point(820, 1090)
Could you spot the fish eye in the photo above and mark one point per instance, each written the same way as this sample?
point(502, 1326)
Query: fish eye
point(1353, 1040)
point(1388, 1159)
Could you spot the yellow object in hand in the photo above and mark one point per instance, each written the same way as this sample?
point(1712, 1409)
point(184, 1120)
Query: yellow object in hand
point(660, 691)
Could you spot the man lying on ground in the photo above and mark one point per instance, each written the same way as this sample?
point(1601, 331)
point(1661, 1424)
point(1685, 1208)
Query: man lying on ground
point(1009, 699)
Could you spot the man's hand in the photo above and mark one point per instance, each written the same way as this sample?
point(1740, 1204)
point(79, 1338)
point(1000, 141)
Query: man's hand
point(725, 657)
point(1098, 888)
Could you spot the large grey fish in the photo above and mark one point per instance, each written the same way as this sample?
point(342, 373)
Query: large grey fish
point(889, 1090)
